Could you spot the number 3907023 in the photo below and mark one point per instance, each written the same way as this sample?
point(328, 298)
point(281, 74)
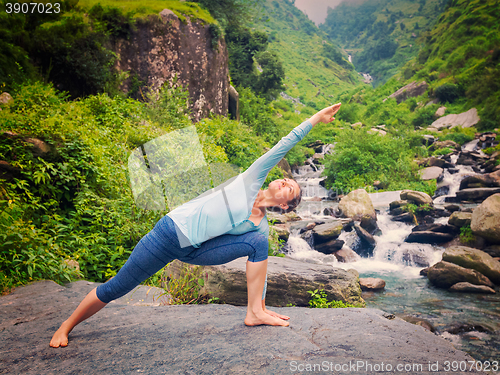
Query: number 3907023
point(33, 8)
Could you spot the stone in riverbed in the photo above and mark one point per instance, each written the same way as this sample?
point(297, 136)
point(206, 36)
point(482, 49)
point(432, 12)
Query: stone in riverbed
point(416, 197)
point(431, 173)
point(445, 274)
point(471, 288)
point(481, 180)
point(282, 230)
point(397, 204)
point(346, 255)
point(486, 219)
point(357, 204)
point(405, 218)
point(460, 219)
point(452, 208)
point(415, 257)
point(429, 237)
point(476, 195)
point(371, 284)
point(441, 228)
point(327, 232)
point(364, 235)
point(369, 224)
point(474, 259)
point(329, 247)
point(493, 250)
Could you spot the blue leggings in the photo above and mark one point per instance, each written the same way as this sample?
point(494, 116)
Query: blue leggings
point(161, 246)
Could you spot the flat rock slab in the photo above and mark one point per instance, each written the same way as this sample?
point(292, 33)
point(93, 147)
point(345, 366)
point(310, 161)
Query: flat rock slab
point(132, 335)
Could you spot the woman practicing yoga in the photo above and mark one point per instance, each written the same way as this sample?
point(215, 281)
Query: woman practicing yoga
point(217, 227)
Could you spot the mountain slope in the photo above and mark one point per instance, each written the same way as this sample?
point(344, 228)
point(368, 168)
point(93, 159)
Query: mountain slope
point(461, 57)
point(316, 70)
point(381, 35)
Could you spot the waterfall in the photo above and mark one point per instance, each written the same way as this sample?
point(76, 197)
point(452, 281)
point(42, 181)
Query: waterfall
point(399, 264)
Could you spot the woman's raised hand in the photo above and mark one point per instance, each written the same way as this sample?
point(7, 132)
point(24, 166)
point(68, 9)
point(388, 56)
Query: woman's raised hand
point(325, 115)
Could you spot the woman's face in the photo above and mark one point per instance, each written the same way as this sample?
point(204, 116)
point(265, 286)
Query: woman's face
point(283, 191)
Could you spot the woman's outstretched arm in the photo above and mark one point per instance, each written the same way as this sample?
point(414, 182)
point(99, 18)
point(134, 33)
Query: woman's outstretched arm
point(261, 167)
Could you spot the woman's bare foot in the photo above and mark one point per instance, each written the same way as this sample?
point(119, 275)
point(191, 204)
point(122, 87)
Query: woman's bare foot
point(60, 338)
point(262, 318)
point(276, 315)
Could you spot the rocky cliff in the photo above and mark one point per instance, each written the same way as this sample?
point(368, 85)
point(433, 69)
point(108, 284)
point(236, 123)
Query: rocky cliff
point(162, 47)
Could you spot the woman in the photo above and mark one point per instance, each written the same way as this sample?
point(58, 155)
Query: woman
point(217, 227)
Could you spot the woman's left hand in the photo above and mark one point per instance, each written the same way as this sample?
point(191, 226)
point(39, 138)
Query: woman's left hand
point(325, 115)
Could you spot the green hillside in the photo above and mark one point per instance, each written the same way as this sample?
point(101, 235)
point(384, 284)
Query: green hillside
point(461, 56)
point(316, 70)
point(381, 35)
point(460, 61)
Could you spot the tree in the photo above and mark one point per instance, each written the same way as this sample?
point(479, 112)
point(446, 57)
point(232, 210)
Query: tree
point(270, 81)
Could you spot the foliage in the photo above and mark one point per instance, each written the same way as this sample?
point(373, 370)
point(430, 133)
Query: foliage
point(269, 81)
point(319, 300)
point(275, 243)
point(229, 13)
point(74, 202)
point(448, 92)
point(186, 288)
point(466, 235)
point(361, 158)
point(443, 151)
point(459, 135)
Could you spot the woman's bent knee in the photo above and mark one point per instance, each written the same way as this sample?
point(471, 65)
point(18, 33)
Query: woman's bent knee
point(260, 244)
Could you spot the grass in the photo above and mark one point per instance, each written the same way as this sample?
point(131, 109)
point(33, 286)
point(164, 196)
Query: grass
point(140, 8)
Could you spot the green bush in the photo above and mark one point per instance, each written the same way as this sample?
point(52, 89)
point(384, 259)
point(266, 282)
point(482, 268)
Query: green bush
point(319, 301)
point(361, 158)
point(459, 135)
point(448, 92)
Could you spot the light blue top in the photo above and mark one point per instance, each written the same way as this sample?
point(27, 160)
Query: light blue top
point(227, 207)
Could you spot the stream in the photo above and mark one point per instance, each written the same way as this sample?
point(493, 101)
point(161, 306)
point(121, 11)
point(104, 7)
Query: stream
point(470, 321)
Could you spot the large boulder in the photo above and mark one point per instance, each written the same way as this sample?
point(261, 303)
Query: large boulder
point(464, 119)
point(409, 91)
point(357, 204)
point(416, 197)
point(486, 219)
point(481, 180)
point(445, 274)
point(288, 281)
point(474, 259)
